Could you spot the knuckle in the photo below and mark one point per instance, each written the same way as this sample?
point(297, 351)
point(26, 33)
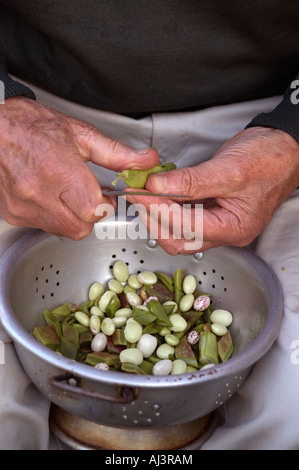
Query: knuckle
point(190, 182)
point(82, 232)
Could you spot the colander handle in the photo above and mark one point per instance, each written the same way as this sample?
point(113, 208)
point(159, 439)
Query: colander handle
point(71, 384)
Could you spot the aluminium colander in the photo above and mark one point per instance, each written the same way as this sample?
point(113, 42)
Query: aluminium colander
point(42, 271)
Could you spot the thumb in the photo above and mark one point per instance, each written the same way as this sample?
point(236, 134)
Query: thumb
point(96, 147)
point(188, 180)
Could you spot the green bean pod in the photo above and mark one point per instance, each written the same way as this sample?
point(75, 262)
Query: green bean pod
point(137, 178)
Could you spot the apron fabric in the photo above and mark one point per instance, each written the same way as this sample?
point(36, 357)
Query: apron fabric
point(263, 414)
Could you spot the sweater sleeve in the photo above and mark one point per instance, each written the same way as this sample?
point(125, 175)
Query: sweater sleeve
point(14, 88)
point(285, 116)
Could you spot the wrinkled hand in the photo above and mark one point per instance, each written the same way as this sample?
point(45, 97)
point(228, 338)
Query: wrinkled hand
point(240, 188)
point(44, 179)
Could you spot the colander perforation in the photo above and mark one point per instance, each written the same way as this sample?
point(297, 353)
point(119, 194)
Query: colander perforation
point(46, 283)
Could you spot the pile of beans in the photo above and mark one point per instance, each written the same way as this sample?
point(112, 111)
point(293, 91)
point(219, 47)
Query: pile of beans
point(143, 323)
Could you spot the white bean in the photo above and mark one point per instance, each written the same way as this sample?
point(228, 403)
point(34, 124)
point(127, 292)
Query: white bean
point(133, 282)
point(218, 329)
point(221, 316)
point(173, 303)
point(115, 286)
point(96, 311)
point(133, 331)
point(95, 290)
point(201, 303)
point(178, 322)
point(133, 299)
point(105, 299)
point(207, 366)
point(189, 284)
point(82, 318)
point(95, 324)
point(108, 326)
point(128, 288)
point(164, 351)
point(164, 331)
point(102, 366)
point(172, 340)
point(143, 307)
point(151, 297)
point(147, 344)
point(119, 321)
point(124, 312)
point(99, 342)
point(162, 367)
point(186, 302)
point(120, 271)
point(147, 278)
point(131, 355)
point(178, 367)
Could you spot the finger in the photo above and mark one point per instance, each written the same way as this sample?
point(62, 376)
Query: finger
point(201, 181)
point(81, 192)
point(110, 153)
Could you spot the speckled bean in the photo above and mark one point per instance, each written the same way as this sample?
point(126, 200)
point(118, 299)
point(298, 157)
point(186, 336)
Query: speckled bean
point(201, 303)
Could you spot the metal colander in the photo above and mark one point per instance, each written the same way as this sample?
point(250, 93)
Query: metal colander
point(42, 271)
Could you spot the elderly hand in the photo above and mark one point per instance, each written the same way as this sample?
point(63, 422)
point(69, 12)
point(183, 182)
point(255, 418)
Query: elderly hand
point(45, 181)
point(240, 188)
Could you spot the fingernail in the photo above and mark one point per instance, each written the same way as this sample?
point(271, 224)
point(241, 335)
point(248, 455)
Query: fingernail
point(143, 151)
